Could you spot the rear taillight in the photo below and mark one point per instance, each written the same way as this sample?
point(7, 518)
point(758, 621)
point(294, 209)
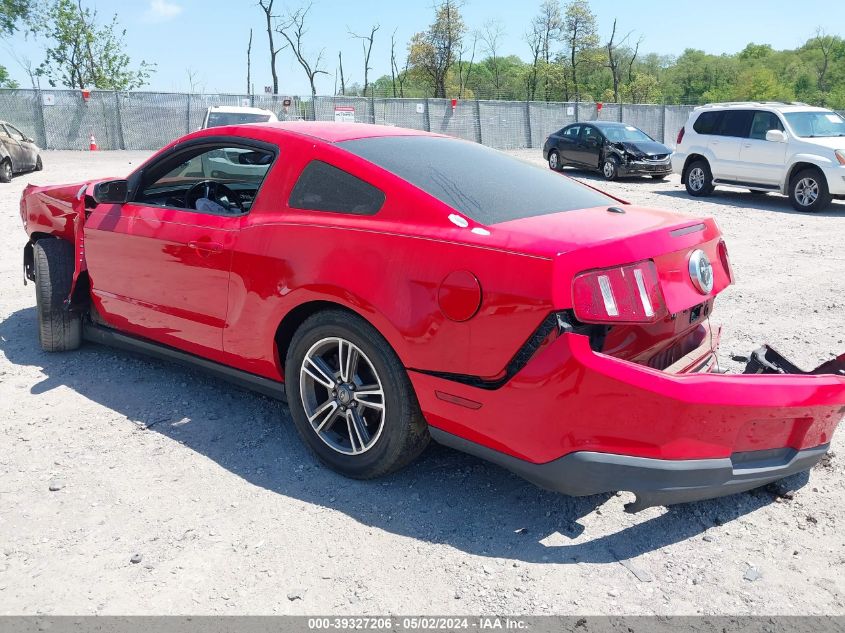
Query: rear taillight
point(726, 262)
point(680, 136)
point(627, 294)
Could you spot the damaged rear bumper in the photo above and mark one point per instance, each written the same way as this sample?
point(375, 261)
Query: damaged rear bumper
point(580, 422)
point(654, 481)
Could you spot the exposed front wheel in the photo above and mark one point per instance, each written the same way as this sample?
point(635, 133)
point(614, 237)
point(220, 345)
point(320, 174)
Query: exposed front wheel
point(610, 168)
point(699, 179)
point(554, 161)
point(59, 329)
point(808, 191)
point(350, 397)
point(6, 171)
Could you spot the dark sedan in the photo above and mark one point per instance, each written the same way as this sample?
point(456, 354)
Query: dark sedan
point(18, 152)
point(614, 149)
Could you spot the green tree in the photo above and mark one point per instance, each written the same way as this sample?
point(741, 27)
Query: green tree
point(81, 53)
point(581, 35)
point(12, 13)
point(433, 51)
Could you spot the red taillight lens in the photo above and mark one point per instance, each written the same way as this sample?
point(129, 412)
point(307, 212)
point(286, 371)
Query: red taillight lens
point(726, 262)
point(627, 294)
point(680, 136)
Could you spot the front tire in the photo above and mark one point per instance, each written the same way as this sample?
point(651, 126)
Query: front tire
point(59, 329)
point(698, 179)
point(350, 397)
point(808, 191)
point(610, 168)
point(6, 171)
point(554, 161)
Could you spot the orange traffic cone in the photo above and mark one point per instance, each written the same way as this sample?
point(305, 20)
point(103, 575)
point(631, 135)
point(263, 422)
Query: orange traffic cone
point(93, 143)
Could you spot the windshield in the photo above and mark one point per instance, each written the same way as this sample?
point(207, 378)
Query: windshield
point(816, 124)
point(217, 119)
point(482, 183)
point(623, 133)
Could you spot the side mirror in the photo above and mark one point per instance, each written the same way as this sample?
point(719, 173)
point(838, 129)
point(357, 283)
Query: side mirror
point(776, 136)
point(111, 192)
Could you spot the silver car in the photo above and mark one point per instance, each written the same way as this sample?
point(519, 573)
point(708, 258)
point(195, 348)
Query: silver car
point(18, 152)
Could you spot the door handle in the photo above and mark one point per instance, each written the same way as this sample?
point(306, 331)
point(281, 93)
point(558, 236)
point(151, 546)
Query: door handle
point(206, 247)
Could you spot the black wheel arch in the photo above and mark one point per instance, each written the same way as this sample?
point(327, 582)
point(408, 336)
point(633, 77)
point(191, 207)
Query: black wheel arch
point(692, 158)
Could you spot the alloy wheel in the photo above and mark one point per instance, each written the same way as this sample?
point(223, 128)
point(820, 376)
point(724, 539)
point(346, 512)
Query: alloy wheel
point(342, 395)
point(7, 171)
point(608, 169)
point(553, 160)
point(806, 191)
point(696, 179)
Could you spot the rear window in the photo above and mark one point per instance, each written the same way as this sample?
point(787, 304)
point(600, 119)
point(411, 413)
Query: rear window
point(324, 187)
point(706, 122)
point(483, 184)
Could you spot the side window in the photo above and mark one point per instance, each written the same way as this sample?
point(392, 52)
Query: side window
point(323, 187)
point(220, 179)
point(706, 122)
point(571, 133)
point(3, 131)
point(591, 135)
point(736, 123)
point(15, 133)
point(762, 123)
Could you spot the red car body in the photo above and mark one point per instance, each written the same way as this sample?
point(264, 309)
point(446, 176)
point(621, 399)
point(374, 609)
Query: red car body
point(480, 315)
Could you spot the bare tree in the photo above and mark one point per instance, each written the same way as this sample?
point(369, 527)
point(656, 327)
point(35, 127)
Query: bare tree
point(547, 27)
point(294, 31)
point(342, 79)
point(463, 78)
point(825, 44)
point(613, 61)
point(249, 65)
point(633, 58)
point(534, 39)
point(195, 83)
point(367, 46)
point(491, 38)
point(267, 8)
point(393, 70)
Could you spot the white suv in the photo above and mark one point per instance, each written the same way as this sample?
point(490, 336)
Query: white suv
point(793, 149)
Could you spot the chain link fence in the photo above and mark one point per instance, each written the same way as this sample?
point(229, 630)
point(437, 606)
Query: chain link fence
point(62, 119)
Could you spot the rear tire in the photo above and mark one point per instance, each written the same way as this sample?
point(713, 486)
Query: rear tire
point(554, 161)
point(6, 171)
point(38, 164)
point(338, 421)
point(808, 191)
point(698, 179)
point(59, 329)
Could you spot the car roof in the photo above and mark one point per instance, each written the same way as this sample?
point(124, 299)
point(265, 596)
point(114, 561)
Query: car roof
point(762, 105)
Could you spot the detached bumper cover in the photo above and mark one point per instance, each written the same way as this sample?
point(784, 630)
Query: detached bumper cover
point(654, 481)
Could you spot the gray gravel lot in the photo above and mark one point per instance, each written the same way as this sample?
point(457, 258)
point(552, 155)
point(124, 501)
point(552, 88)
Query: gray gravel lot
point(108, 459)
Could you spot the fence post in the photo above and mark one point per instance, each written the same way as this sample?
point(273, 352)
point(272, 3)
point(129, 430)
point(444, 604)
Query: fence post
point(188, 115)
point(373, 104)
point(478, 121)
point(427, 117)
point(528, 133)
point(41, 117)
point(120, 140)
point(663, 122)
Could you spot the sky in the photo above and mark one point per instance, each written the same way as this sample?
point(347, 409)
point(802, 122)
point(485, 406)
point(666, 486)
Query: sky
point(208, 38)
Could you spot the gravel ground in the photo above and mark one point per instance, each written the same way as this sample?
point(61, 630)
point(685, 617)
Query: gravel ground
point(131, 486)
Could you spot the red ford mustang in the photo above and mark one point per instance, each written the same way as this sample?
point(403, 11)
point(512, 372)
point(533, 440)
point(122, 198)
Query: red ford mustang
point(397, 286)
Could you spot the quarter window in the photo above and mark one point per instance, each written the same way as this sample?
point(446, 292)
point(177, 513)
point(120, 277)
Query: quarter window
point(706, 122)
point(324, 187)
